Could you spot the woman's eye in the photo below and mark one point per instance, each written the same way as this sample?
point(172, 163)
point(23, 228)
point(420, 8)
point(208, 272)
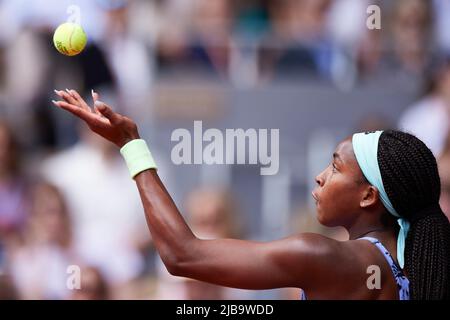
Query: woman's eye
point(334, 167)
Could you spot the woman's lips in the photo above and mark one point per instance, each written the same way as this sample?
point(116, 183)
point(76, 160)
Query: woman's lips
point(315, 197)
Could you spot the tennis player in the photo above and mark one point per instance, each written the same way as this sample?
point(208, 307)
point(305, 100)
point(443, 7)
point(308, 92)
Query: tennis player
point(383, 187)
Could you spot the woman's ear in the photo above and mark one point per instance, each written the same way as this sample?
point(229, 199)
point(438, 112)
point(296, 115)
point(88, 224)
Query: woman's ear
point(370, 197)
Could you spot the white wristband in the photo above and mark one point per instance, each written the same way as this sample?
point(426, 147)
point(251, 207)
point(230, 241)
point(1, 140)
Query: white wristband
point(137, 156)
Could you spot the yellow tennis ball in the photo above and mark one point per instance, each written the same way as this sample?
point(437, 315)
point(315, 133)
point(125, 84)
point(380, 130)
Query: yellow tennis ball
point(69, 39)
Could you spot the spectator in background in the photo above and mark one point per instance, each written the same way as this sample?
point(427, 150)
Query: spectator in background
point(211, 215)
point(129, 55)
point(205, 46)
point(300, 28)
point(442, 24)
point(106, 235)
point(252, 19)
point(39, 265)
point(13, 189)
point(429, 118)
point(411, 34)
point(402, 47)
point(369, 53)
point(93, 286)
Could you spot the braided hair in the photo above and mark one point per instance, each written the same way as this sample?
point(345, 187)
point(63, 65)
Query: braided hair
point(411, 180)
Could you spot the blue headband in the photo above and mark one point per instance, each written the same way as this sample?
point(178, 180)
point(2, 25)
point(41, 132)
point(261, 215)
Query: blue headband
point(365, 147)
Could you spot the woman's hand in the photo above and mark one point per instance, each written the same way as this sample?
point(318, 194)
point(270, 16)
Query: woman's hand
point(101, 119)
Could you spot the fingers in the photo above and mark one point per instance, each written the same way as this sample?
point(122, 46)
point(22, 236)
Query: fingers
point(95, 97)
point(107, 112)
point(66, 96)
point(89, 117)
point(75, 104)
point(79, 99)
point(72, 97)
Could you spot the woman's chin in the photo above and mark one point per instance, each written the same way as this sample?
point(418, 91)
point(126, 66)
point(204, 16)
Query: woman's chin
point(322, 218)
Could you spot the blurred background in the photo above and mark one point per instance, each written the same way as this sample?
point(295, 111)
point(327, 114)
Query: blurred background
point(310, 68)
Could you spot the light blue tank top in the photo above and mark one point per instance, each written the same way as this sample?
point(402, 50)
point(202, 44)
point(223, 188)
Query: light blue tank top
point(400, 279)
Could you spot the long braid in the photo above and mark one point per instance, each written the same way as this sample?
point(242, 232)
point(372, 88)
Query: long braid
point(411, 180)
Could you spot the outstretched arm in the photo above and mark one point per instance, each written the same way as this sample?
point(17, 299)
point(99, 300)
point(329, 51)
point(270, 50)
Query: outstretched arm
point(290, 262)
point(228, 262)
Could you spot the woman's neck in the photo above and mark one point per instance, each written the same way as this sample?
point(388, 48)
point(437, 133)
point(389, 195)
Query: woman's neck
point(385, 232)
point(379, 227)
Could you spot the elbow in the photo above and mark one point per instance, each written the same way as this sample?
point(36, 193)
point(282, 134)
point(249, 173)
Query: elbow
point(178, 263)
point(176, 266)
point(175, 269)
point(172, 264)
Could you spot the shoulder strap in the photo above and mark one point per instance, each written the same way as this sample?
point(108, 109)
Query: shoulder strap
point(401, 280)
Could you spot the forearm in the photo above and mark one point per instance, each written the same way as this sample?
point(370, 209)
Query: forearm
point(170, 233)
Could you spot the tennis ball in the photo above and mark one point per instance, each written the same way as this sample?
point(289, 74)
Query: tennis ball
point(69, 39)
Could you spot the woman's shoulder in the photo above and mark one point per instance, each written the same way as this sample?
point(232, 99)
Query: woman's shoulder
point(343, 267)
point(332, 257)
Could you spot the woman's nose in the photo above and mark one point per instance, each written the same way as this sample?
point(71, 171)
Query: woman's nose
point(319, 179)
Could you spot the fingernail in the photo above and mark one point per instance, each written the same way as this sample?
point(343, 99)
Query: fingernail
point(56, 91)
point(68, 91)
point(55, 102)
point(92, 91)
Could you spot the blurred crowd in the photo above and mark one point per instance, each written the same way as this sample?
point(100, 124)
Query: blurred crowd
point(65, 195)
